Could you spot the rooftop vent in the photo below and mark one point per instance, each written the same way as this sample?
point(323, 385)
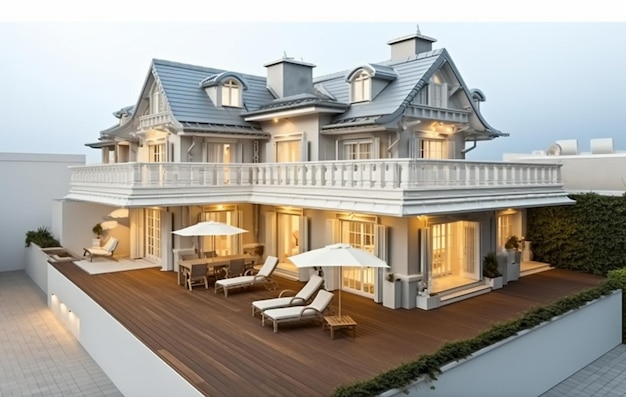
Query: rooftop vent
point(602, 146)
point(563, 148)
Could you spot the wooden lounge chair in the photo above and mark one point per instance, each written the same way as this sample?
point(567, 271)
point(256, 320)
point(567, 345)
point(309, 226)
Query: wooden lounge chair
point(248, 280)
point(313, 311)
point(287, 298)
point(197, 276)
point(105, 251)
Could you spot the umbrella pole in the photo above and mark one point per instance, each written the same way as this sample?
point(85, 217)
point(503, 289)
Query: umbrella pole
point(340, 286)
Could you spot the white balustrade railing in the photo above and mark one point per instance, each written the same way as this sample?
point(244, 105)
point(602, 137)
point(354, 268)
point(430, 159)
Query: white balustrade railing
point(381, 174)
point(155, 119)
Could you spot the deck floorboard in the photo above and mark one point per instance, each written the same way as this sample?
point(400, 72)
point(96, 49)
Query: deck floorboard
point(216, 344)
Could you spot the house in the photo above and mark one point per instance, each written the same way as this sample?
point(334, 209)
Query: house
point(373, 156)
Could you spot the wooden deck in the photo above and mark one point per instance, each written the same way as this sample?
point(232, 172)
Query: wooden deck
point(216, 344)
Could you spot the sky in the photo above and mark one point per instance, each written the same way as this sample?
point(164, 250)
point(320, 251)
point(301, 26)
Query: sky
point(548, 73)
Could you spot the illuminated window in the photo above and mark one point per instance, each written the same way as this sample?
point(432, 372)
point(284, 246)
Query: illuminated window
point(362, 87)
point(231, 94)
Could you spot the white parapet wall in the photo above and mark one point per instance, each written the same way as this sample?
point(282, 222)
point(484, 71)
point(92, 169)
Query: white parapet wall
point(533, 361)
point(131, 366)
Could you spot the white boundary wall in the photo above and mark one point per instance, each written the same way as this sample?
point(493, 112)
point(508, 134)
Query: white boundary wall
point(131, 366)
point(30, 182)
point(535, 360)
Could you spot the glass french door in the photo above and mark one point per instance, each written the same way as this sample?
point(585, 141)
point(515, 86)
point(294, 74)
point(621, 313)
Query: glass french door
point(358, 280)
point(222, 245)
point(455, 254)
point(153, 234)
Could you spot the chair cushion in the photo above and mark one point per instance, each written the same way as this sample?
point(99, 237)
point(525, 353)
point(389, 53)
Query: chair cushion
point(266, 304)
point(292, 312)
point(98, 251)
point(232, 282)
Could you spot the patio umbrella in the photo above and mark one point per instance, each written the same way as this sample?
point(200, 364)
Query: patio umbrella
point(210, 228)
point(337, 255)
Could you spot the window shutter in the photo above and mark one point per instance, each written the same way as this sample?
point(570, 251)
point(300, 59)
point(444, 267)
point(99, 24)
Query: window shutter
point(303, 246)
point(136, 233)
point(380, 250)
point(237, 239)
point(270, 237)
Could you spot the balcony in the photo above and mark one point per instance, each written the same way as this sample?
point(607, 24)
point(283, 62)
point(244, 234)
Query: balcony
point(397, 187)
point(156, 120)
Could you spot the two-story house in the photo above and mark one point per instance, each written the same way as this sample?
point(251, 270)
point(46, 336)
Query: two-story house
point(373, 156)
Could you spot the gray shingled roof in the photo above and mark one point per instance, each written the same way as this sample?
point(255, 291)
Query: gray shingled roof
point(399, 92)
point(190, 103)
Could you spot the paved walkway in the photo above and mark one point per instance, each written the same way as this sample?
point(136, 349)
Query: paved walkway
point(605, 377)
point(38, 355)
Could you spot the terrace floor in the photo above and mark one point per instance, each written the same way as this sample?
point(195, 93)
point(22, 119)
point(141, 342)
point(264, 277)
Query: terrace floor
point(216, 344)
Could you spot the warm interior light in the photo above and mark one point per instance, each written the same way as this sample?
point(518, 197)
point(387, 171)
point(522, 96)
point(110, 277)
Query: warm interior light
point(275, 120)
point(119, 213)
point(108, 225)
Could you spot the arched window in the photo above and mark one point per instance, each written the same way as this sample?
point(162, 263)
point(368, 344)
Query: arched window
point(362, 87)
point(231, 93)
point(157, 104)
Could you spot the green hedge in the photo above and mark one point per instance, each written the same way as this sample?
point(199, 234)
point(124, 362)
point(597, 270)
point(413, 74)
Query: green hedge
point(42, 237)
point(430, 364)
point(589, 236)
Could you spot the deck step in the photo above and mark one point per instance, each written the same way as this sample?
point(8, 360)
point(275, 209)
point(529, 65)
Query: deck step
point(535, 269)
point(447, 298)
point(286, 274)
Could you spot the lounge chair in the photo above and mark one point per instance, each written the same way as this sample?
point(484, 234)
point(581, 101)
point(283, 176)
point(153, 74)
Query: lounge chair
point(197, 276)
point(105, 251)
point(314, 310)
point(287, 298)
point(248, 279)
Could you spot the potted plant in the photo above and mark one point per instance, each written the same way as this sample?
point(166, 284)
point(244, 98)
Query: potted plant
point(392, 291)
point(97, 230)
point(490, 271)
point(512, 247)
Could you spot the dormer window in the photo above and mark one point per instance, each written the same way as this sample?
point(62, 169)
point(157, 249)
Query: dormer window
point(231, 93)
point(362, 87)
point(225, 89)
point(369, 80)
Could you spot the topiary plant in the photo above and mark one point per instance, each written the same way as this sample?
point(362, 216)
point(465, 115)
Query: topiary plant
point(490, 266)
point(97, 230)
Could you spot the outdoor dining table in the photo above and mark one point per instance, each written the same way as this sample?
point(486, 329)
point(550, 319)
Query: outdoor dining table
point(210, 262)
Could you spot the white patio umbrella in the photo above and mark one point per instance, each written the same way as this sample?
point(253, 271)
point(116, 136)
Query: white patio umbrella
point(210, 228)
point(337, 255)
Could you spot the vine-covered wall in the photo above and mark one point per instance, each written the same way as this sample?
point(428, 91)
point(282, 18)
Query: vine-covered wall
point(589, 236)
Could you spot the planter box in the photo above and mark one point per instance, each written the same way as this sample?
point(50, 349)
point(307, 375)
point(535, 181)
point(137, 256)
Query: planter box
point(428, 302)
point(494, 283)
point(514, 258)
point(392, 294)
